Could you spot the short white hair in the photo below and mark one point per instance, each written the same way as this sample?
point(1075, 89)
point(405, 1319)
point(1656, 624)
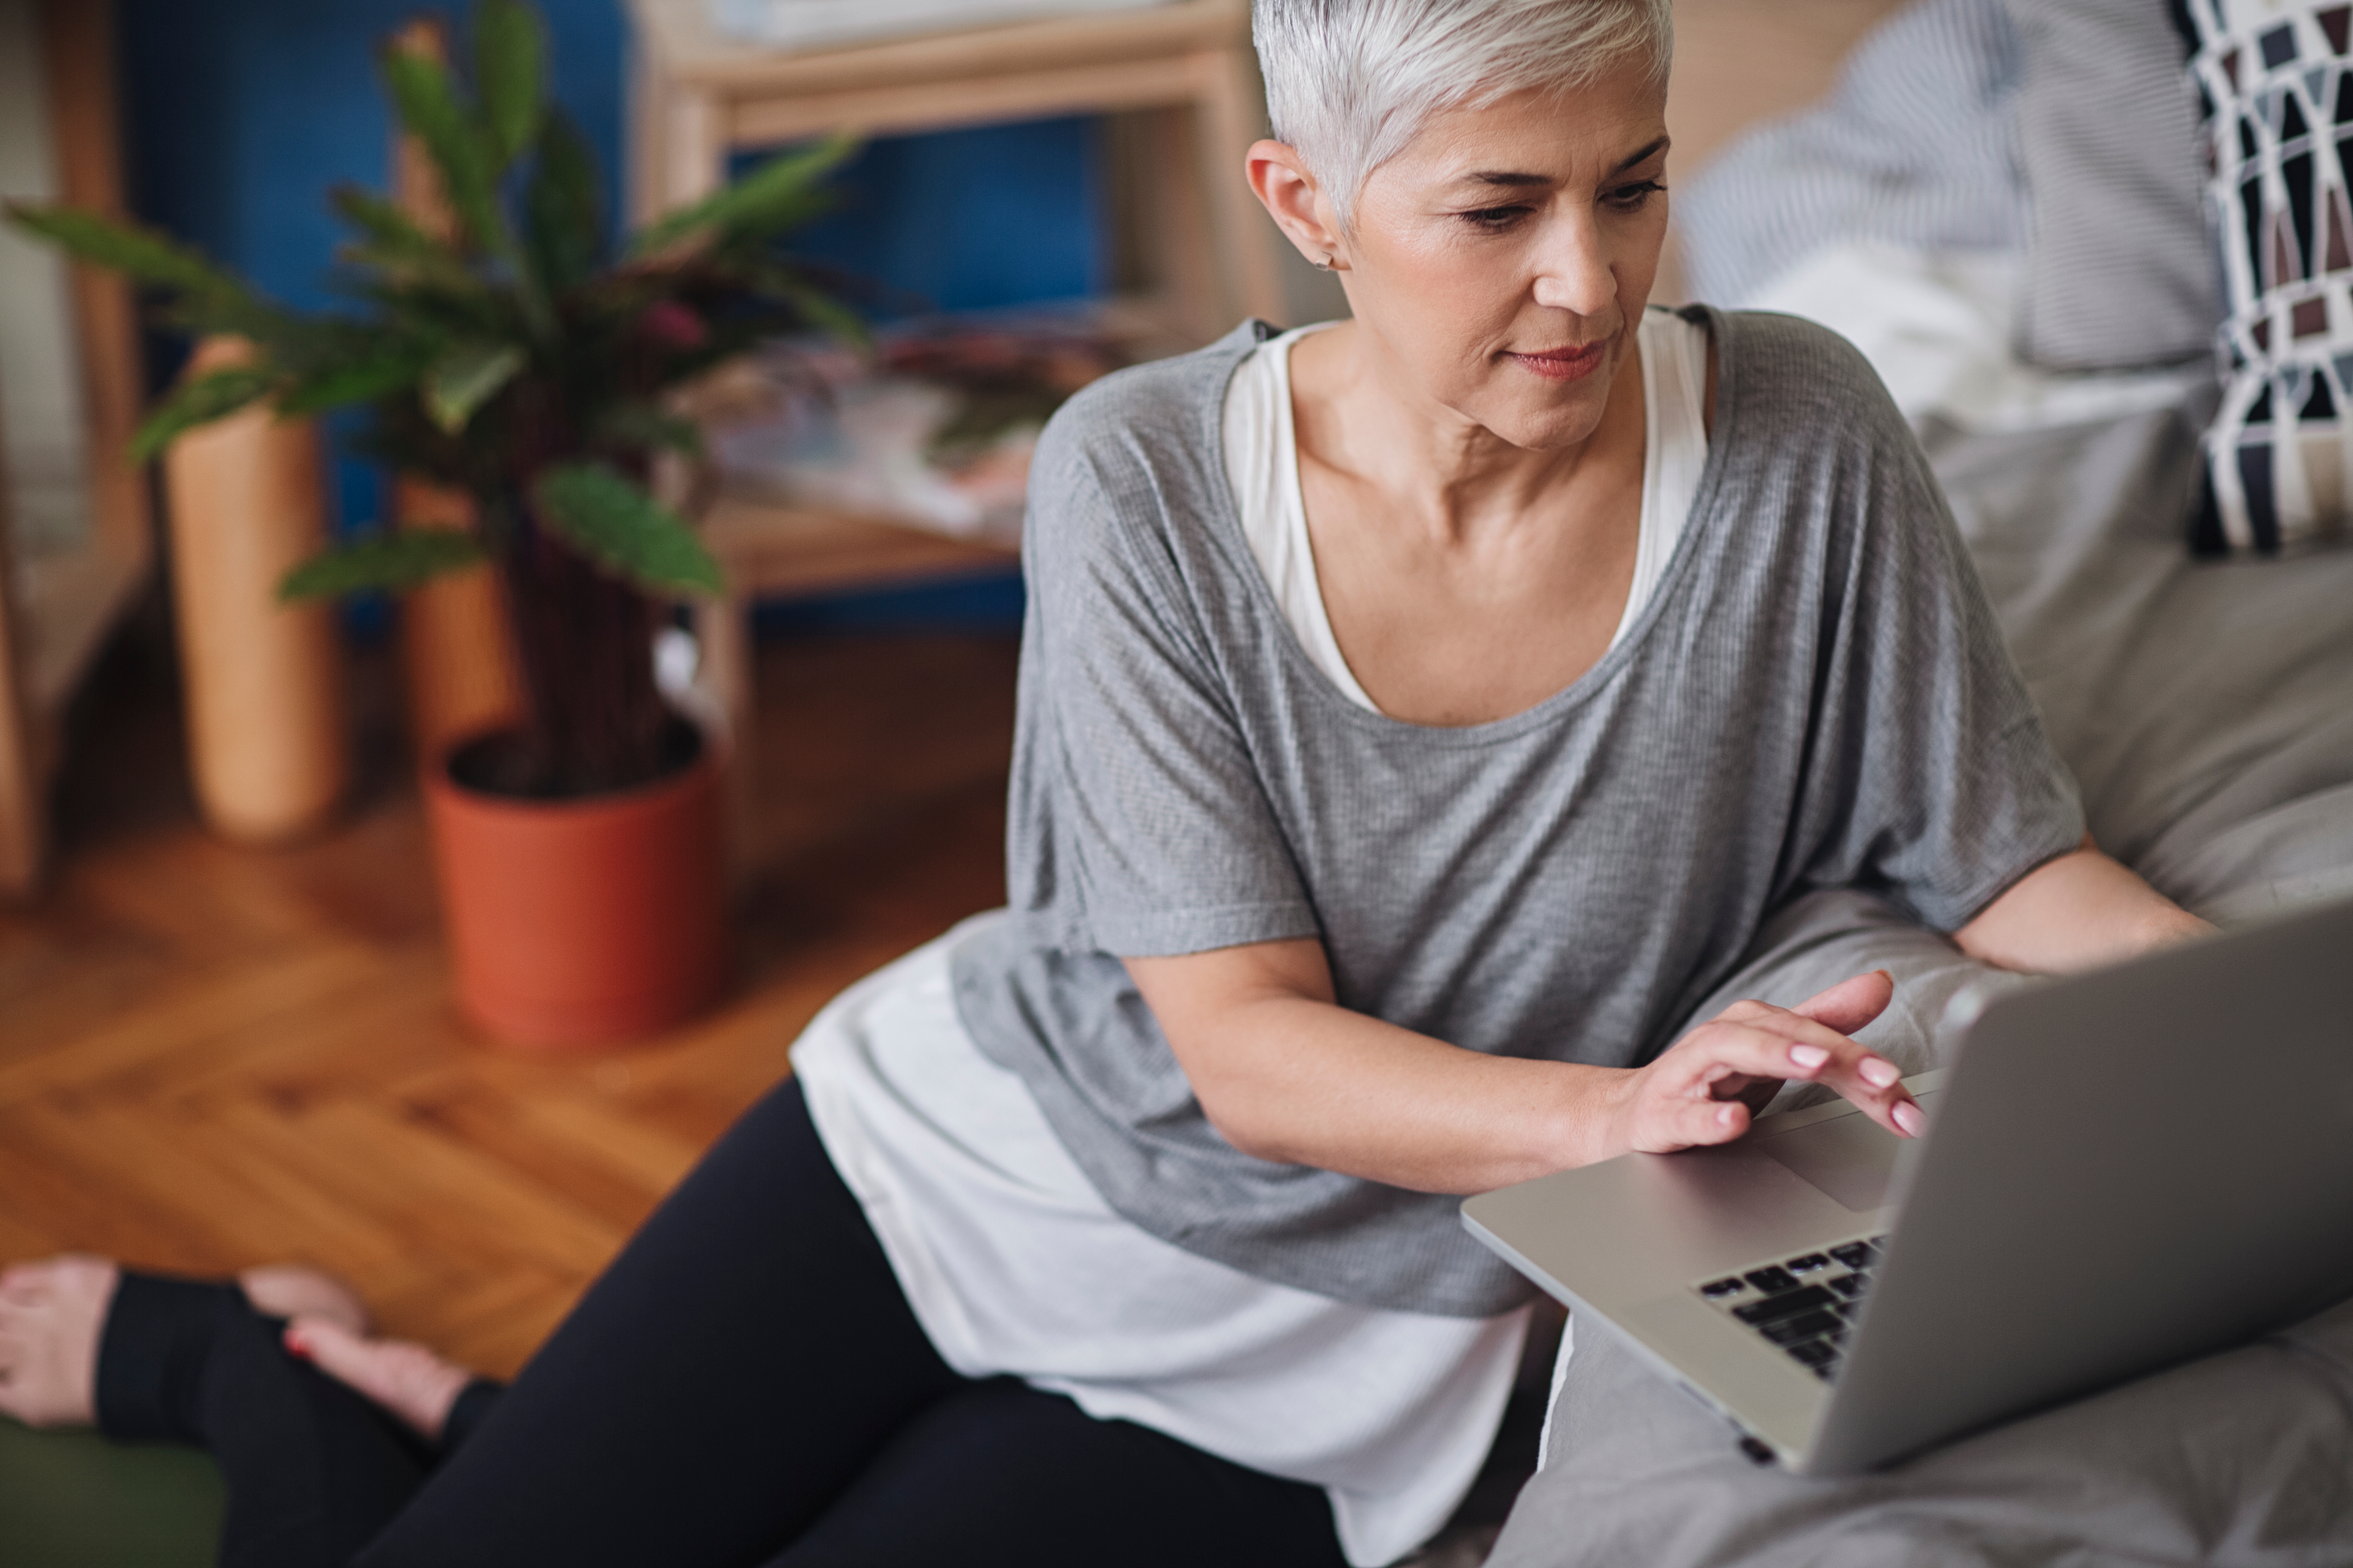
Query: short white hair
point(1348, 82)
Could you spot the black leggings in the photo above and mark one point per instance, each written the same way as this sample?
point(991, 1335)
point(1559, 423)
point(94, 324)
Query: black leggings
point(745, 1384)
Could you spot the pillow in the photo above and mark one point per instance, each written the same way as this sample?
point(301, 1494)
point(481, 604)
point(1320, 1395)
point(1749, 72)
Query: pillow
point(2279, 98)
point(2119, 272)
point(1913, 147)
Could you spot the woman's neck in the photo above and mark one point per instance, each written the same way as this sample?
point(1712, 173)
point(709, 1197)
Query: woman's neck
point(1451, 477)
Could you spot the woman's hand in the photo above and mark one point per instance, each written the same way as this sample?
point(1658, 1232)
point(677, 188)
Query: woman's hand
point(1706, 1087)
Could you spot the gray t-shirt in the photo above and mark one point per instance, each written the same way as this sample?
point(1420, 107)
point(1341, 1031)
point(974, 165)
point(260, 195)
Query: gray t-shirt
point(1817, 696)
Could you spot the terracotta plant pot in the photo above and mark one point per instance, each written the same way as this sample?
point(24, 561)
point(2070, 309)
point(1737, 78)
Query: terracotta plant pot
point(581, 923)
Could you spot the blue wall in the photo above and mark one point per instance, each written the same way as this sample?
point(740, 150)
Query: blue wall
point(241, 113)
point(999, 216)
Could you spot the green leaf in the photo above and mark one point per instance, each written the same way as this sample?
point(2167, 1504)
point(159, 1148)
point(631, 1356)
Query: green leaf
point(400, 266)
point(822, 311)
point(429, 109)
point(394, 243)
point(776, 284)
point(642, 427)
point(360, 377)
point(510, 63)
point(392, 561)
point(562, 207)
point(423, 309)
point(212, 300)
point(207, 398)
point(142, 253)
point(383, 220)
point(465, 378)
point(777, 194)
point(620, 528)
point(753, 233)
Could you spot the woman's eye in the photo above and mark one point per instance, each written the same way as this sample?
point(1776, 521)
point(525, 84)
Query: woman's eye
point(1634, 198)
point(1495, 216)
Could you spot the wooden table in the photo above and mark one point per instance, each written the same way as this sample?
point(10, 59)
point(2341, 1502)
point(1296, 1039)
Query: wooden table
point(769, 549)
point(1184, 75)
point(1186, 67)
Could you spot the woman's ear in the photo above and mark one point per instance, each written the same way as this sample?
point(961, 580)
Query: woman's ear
point(1296, 202)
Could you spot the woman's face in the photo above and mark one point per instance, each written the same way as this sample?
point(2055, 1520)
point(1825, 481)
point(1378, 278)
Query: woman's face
point(1503, 258)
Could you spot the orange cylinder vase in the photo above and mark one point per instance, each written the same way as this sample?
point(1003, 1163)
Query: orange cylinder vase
point(574, 923)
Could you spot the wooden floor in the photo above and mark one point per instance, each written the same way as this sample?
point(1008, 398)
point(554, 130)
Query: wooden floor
point(211, 1058)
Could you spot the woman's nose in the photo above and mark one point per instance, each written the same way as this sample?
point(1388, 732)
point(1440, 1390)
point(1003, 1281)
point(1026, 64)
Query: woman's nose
point(1574, 272)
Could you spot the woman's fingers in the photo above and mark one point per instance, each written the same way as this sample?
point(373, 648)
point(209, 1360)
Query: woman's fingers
point(1668, 1124)
point(1847, 1007)
point(1851, 1003)
point(1759, 1040)
point(1858, 1074)
point(1758, 1045)
point(1889, 1104)
point(1872, 1083)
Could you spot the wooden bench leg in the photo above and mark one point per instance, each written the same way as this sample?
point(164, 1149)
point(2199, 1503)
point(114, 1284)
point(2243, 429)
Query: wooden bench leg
point(723, 629)
point(24, 828)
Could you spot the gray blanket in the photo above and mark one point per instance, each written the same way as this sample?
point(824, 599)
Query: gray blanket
point(2241, 1459)
point(2208, 712)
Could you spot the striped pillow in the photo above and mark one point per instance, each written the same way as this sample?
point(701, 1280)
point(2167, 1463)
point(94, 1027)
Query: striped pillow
point(2119, 270)
point(2277, 78)
point(1915, 146)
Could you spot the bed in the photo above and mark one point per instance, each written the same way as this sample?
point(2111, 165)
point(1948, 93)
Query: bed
point(2208, 710)
point(2206, 706)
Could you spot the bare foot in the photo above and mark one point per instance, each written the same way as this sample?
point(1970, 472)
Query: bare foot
point(297, 1291)
point(407, 1379)
point(52, 1313)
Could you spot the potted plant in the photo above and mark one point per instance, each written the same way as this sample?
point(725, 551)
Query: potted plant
point(522, 360)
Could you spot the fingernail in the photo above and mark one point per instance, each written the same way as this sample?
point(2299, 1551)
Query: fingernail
point(1723, 1117)
point(1908, 1118)
point(1808, 1055)
point(1879, 1072)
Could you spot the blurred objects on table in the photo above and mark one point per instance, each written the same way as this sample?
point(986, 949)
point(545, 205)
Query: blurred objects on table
point(935, 430)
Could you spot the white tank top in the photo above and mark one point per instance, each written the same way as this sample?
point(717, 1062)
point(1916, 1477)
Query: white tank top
point(1262, 465)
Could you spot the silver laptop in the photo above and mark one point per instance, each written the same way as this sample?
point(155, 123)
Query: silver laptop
point(2121, 1170)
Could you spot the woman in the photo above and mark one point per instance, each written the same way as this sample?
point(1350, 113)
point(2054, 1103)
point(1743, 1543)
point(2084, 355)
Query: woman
point(1417, 714)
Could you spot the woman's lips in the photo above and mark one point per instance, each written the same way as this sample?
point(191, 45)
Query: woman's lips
point(1564, 364)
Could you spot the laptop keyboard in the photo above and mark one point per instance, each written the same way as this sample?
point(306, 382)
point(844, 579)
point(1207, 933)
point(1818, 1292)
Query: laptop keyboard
point(1802, 1304)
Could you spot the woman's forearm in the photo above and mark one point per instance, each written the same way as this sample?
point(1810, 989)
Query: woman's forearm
point(1304, 1082)
point(1287, 1074)
point(2077, 912)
